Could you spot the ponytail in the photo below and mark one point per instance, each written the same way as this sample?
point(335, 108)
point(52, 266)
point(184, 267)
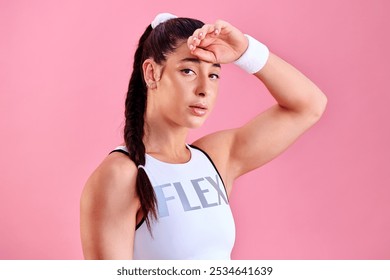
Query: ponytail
point(134, 132)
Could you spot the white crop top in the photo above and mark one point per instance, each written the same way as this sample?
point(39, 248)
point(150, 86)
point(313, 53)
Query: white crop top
point(194, 216)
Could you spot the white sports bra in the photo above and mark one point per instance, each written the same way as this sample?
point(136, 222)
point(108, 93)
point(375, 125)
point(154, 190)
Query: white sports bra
point(194, 216)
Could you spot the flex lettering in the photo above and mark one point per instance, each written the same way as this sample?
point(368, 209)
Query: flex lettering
point(200, 192)
point(162, 200)
point(200, 186)
point(183, 198)
point(215, 184)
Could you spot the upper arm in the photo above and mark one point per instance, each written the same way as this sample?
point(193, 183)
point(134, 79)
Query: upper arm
point(267, 136)
point(240, 150)
point(108, 210)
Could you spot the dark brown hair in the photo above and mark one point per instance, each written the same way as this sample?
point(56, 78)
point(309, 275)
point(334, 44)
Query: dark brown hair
point(157, 44)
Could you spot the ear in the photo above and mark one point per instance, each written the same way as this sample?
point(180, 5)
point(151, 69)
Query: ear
point(152, 72)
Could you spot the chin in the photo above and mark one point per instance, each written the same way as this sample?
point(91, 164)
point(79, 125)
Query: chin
point(193, 124)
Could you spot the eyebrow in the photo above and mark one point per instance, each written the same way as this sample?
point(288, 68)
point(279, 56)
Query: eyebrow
point(196, 60)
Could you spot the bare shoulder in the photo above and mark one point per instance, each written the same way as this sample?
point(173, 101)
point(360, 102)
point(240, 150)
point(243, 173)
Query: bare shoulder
point(108, 209)
point(115, 175)
point(218, 146)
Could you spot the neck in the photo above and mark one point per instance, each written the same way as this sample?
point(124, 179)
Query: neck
point(166, 142)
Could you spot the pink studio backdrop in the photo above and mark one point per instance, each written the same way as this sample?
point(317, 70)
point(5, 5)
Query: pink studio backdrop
point(64, 69)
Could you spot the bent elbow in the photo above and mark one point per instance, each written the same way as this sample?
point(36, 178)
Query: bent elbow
point(318, 106)
point(322, 103)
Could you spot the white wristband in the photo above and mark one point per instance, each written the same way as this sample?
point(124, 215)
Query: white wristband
point(255, 56)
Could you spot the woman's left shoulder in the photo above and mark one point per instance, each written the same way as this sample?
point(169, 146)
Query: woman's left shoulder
point(218, 145)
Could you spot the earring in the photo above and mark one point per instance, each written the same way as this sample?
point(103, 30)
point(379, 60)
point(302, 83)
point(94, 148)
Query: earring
point(151, 85)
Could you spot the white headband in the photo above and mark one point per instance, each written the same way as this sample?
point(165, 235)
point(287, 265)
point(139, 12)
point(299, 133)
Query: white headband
point(160, 18)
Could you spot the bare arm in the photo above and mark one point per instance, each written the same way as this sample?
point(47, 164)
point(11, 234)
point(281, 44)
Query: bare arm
point(108, 210)
point(299, 104)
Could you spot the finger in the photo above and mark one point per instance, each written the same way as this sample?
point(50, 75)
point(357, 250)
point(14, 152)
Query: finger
point(219, 25)
point(206, 30)
point(193, 42)
point(204, 55)
point(212, 30)
point(203, 31)
point(199, 34)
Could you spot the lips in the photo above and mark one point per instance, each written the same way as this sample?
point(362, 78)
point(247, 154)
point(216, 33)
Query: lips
point(198, 109)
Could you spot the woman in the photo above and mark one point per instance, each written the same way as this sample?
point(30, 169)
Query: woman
point(156, 197)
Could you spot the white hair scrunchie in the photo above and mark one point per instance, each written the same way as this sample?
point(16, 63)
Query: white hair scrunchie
point(160, 18)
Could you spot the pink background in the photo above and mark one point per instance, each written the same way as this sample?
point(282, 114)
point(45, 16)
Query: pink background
point(64, 69)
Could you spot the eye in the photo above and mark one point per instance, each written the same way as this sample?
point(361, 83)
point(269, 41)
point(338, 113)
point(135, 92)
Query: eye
point(187, 72)
point(214, 76)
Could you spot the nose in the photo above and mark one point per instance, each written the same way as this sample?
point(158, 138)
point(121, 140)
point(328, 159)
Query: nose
point(204, 86)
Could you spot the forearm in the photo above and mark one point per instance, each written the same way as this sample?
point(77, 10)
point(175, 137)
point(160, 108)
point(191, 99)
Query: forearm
point(290, 88)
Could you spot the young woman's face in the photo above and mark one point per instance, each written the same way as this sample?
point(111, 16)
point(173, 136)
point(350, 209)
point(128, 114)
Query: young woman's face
point(187, 89)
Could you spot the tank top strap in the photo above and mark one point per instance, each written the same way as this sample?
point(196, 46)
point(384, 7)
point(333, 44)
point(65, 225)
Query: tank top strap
point(211, 161)
point(120, 149)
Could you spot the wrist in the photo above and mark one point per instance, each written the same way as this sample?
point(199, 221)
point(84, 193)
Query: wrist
point(255, 56)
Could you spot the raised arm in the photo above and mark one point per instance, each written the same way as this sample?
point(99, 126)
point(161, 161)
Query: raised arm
point(300, 103)
point(108, 210)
